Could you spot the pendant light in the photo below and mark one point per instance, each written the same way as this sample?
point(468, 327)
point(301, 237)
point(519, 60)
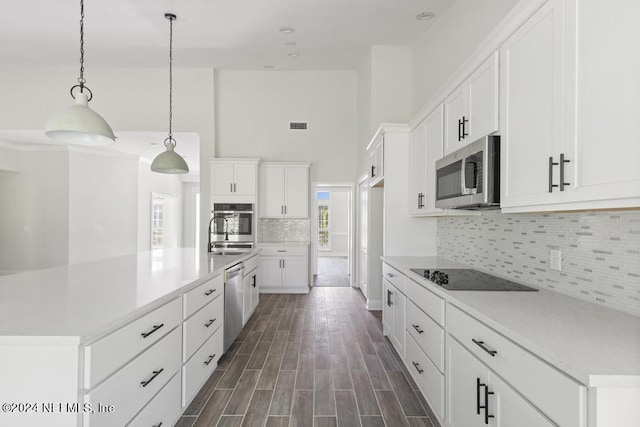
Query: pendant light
point(79, 124)
point(169, 161)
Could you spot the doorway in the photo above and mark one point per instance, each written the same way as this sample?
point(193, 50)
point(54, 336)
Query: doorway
point(332, 237)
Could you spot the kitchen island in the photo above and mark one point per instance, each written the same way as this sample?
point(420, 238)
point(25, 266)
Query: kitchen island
point(70, 335)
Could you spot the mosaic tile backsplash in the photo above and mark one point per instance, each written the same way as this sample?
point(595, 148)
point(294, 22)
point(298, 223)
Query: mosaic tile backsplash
point(600, 252)
point(284, 230)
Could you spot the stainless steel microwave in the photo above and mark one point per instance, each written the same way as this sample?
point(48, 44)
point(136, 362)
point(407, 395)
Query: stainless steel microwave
point(469, 178)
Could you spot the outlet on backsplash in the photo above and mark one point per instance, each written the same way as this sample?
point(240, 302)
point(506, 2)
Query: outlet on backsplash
point(555, 259)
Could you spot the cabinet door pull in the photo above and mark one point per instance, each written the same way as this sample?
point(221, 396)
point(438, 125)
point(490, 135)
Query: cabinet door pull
point(158, 425)
point(235, 188)
point(254, 281)
point(551, 165)
point(417, 328)
point(482, 345)
point(389, 294)
point(459, 130)
point(464, 127)
point(282, 250)
point(285, 209)
point(486, 405)
point(389, 274)
point(153, 377)
point(209, 292)
point(373, 171)
point(417, 366)
point(209, 323)
point(211, 357)
point(478, 385)
point(231, 187)
point(562, 162)
point(155, 328)
point(283, 263)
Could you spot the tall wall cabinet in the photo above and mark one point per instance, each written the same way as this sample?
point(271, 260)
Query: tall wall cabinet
point(284, 190)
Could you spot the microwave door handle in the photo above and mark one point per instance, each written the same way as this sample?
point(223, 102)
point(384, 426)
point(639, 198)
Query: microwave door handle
point(463, 179)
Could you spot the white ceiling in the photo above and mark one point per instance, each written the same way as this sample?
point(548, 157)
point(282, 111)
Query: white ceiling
point(232, 34)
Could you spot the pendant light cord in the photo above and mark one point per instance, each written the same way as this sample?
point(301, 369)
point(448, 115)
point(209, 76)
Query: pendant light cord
point(171, 18)
point(81, 79)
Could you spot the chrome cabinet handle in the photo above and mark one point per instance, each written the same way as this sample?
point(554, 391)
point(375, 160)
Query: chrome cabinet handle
point(155, 328)
point(562, 162)
point(417, 328)
point(209, 323)
point(389, 294)
point(482, 345)
point(153, 377)
point(417, 366)
point(551, 165)
point(211, 357)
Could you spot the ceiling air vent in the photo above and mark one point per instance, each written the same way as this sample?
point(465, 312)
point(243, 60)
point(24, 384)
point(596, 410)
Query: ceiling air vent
point(298, 125)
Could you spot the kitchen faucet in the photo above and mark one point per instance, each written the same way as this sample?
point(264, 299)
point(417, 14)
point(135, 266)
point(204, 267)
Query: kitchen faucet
point(226, 229)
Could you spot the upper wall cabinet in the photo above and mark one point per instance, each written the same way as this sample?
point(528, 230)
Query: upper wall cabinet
point(234, 180)
point(471, 111)
point(375, 149)
point(564, 143)
point(284, 190)
point(424, 149)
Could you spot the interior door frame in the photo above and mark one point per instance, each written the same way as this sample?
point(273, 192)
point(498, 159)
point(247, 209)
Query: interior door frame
point(327, 186)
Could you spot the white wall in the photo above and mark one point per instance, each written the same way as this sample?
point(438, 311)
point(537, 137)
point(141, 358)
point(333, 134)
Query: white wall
point(148, 183)
point(450, 40)
point(254, 109)
point(102, 205)
point(384, 94)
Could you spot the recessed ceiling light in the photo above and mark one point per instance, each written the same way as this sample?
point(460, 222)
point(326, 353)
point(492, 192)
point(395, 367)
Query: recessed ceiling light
point(286, 30)
point(424, 16)
point(290, 43)
point(294, 54)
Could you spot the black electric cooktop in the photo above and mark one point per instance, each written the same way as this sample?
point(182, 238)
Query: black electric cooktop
point(469, 280)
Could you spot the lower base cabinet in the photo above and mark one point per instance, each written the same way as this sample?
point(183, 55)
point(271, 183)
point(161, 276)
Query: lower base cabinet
point(284, 269)
point(428, 378)
point(478, 397)
point(251, 294)
point(164, 409)
point(198, 369)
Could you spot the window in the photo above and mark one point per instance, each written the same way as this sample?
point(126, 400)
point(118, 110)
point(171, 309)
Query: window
point(157, 224)
point(324, 241)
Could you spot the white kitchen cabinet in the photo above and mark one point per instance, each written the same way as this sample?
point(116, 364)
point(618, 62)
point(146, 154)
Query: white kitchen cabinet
point(251, 288)
point(233, 180)
point(375, 149)
point(477, 397)
point(284, 269)
point(535, 76)
point(394, 308)
point(284, 190)
point(425, 148)
point(471, 110)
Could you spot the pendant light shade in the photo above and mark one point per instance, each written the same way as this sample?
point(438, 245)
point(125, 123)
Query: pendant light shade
point(79, 124)
point(169, 161)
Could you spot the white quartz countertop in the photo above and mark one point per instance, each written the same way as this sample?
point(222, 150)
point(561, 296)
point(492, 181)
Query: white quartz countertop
point(595, 345)
point(78, 303)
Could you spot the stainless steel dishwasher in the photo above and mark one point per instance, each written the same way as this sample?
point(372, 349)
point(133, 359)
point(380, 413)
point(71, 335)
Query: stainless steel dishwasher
point(233, 303)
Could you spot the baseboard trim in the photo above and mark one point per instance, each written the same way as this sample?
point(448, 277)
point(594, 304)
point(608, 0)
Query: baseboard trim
point(296, 290)
point(374, 304)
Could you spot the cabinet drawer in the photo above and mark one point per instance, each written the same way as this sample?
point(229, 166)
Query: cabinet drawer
point(206, 292)
point(164, 409)
point(251, 263)
point(394, 276)
point(427, 333)
point(201, 325)
point(537, 381)
point(427, 377)
point(283, 250)
point(125, 390)
point(198, 369)
point(428, 302)
point(107, 355)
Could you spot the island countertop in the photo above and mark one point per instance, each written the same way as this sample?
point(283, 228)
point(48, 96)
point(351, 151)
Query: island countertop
point(77, 303)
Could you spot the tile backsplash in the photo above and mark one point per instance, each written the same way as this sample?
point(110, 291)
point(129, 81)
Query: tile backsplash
point(600, 251)
point(284, 230)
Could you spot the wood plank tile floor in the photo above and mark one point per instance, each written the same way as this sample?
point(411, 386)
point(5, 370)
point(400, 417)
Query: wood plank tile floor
point(310, 360)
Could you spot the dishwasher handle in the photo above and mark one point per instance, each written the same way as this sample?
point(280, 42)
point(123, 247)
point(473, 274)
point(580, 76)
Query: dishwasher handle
point(235, 270)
